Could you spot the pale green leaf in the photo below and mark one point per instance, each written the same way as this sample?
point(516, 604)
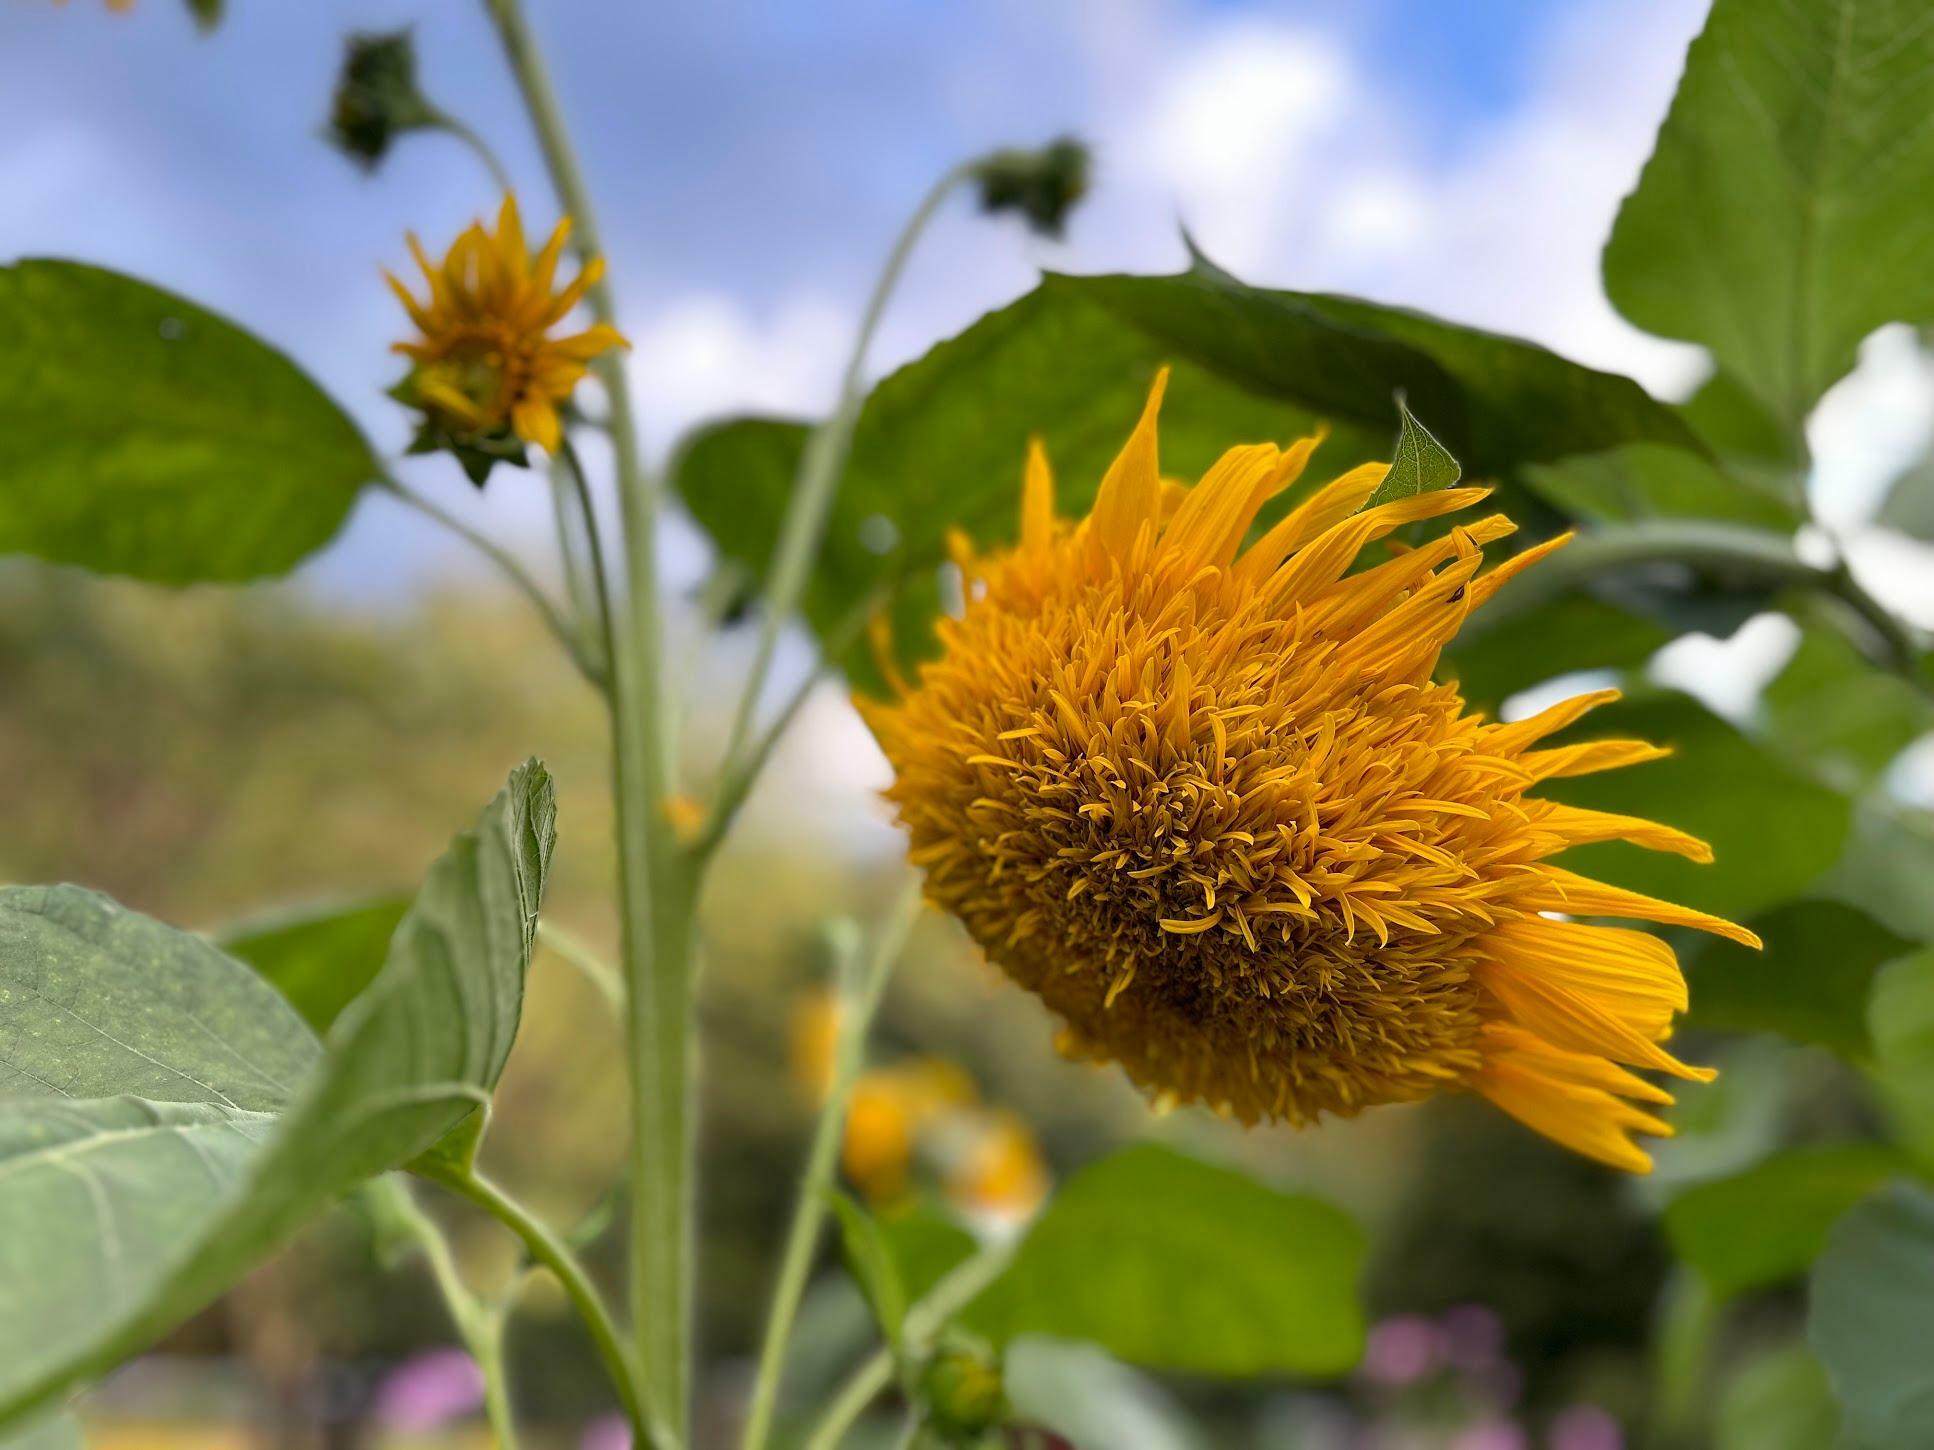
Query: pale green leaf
point(1784, 213)
point(55, 1432)
point(120, 1216)
point(147, 436)
point(1870, 1318)
point(1781, 1401)
point(97, 1001)
point(1170, 1263)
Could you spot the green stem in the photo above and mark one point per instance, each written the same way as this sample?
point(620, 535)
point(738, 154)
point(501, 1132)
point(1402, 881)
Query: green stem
point(657, 880)
point(857, 1009)
point(480, 1330)
point(592, 967)
point(594, 546)
point(507, 564)
point(555, 1255)
point(1758, 556)
point(820, 468)
point(571, 543)
point(479, 147)
point(947, 1298)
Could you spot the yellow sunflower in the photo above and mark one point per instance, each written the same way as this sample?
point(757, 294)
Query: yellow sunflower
point(1208, 803)
point(486, 361)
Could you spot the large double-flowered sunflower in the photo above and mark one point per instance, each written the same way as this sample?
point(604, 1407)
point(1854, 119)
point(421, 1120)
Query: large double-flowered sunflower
point(1209, 804)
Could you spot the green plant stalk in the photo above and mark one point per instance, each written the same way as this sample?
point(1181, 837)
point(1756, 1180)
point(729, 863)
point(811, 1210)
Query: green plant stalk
point(658, 882)
point(479, 1329)
point(857, 1009)
point(554, 1254)
point(946, 1299)
point(820, 467)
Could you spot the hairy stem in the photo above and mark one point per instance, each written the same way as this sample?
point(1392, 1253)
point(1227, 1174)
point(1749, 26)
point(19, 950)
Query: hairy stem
point(857, 1007)
point(657, 880)
point(477, 1326)
point(555, 1255)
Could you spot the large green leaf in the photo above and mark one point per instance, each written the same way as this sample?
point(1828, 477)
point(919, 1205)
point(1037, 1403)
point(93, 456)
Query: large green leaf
point(146, 436)
point(118, 1216)
point(1810, 983)
point(940, 443)
point(1651, 480)
point(320, 959)
point(1773, 828)
point(1173, 1264)
point(1770, 1223)
point(1783, 215)
point(97, 1000)
point(1870, 1318)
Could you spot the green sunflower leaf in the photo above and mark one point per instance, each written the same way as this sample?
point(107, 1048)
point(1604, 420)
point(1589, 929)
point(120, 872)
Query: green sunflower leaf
point(319, 959)
point(56, 1432)
point(146, 436)
point(1774, 829)
point(1783, 215)
point(1810, 983)
point(1169, 1263)
point(869, 1259)
point(126, 1210)
point(1870, 1318)
point(940, 443)
point(1769, 1224)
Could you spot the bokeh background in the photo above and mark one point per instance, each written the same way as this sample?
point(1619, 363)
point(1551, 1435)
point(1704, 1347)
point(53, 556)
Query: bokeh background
point(208, 755)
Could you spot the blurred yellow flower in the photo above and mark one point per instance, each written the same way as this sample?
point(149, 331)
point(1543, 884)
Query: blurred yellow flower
point(815, 1042)
point(485, 361)
point(1208, 803)
point(998, 1170)
point(889, 1110)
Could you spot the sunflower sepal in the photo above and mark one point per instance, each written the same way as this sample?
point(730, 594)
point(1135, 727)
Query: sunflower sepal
point(476, 450)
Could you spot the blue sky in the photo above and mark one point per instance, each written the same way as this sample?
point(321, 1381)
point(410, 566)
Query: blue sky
point(752, 158)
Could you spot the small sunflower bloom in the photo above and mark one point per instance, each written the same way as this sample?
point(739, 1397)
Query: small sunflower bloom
point(488, 375)
point(1209, 804)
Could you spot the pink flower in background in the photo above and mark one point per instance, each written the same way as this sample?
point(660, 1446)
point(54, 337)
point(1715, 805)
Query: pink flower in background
point(1586, 1427)
point(1403, 1349)
point(1474, 1337)
point(609, 1433)
point(1492, 1435)
point(430, 1390)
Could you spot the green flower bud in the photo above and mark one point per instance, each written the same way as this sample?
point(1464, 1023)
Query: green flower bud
point(964, 1392)
point(1043, 186)
point(376, 97)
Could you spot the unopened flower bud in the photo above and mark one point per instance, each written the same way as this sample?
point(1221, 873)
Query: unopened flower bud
point(376, 97)
point(1042, 185)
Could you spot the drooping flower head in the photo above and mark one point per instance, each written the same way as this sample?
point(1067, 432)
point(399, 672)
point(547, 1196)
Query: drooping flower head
point(487, 370)
point(1208, 803)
